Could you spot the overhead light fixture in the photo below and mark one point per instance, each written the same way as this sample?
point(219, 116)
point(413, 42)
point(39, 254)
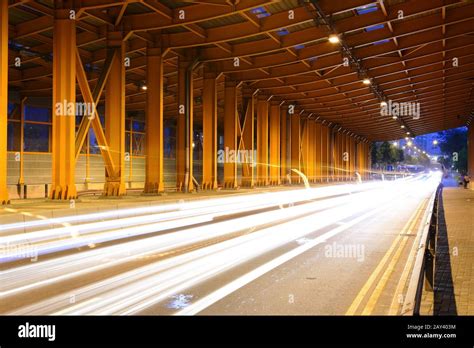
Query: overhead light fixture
point(408, 133)
point(144, 87)
point(409, 143)
point(333, 38)
point(366, 81)
point(402, 126)
point(435, 142)
point(394, 117)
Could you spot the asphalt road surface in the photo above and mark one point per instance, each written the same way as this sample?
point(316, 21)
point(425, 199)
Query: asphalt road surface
point(341, 249)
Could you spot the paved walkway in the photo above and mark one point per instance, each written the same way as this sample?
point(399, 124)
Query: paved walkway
point(454, 268)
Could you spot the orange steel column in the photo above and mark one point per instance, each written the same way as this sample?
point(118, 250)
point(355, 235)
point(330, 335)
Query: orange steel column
point(317, 152)
point(364, 160)
point(358, 160)
point(275, 143)
point(352, 157)
point(309, 151)
point(262, 141)
point(340, 157)
point(368, 159)
point(180, 126)
point(295, 147)
point(209, 129)
point(184, 136)
point(345, 156)
point(115, 117)
point(283, 145)
point(304, 146)
point(230, 133)
point(349, 152)
point(335, 159)
point(334, 154)
point(313, 139)
point(324, 153)
point(64, 93)
point(361, 160)
point(3, 100)
point(247, 140)
point(154, 174)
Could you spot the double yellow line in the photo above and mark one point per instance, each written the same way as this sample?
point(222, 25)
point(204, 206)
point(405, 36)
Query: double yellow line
point(400, 241)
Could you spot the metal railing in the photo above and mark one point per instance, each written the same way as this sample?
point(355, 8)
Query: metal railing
point(424, 268)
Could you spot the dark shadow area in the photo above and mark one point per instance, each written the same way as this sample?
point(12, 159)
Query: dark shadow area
point(444, 299)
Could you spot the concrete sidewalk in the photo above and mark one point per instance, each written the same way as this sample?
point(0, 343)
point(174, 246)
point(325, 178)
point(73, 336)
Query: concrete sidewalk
point(454, 263)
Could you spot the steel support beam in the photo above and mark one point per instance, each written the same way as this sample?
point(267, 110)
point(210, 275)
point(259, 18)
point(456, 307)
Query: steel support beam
point(262, 141)
point(154, 172)
point(295, 148)
point(345, 157)
point(284, 139)
point(339, 152)
point(332, 153)
point(64, 101)
point(89, 98)
point(352, 158)
point(184, 125)
point(115, 118)
point(275, 143)
point(368, 165)
point(85, 124)
point(305, 165)
point(247, 139)
point(3, 100)
point(318, 152)
point(360, 159)
point(230, 134)
point(209, 129)
point(325, 138)
point(311, 150)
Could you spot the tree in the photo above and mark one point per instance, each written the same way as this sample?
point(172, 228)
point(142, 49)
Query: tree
point(400, 155)
point(453, 144)
point(385, 153)
point(374, 153)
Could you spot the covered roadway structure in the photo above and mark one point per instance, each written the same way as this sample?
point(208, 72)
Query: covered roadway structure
point(158, 88)
point(145, 102)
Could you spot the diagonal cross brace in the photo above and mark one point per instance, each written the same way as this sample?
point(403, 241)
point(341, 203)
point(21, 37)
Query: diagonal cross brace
point(90, 97)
